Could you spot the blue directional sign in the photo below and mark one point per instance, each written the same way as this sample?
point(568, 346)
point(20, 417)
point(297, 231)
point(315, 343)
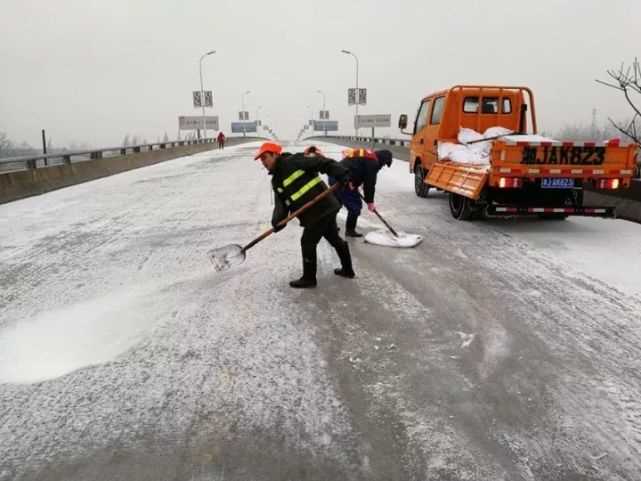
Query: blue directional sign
point(242, 127)
point(325, 125)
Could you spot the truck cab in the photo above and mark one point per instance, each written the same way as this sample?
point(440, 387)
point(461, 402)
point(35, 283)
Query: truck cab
point(440, 116)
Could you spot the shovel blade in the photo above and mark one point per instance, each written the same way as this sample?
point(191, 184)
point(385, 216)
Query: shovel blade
point(225, 257)
point(386, 239)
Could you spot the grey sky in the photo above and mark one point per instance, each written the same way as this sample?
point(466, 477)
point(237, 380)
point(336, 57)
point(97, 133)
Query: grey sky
point(93, 71)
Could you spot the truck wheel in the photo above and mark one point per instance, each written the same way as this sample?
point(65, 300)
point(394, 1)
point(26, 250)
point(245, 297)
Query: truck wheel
point(460, 207)
point(420, 187)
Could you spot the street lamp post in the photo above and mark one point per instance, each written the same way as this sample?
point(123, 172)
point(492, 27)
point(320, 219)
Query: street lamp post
point(202, 90)
point(242, 99)
point(258, 109)
point(323, 109)
point(323, 94)
point(357, 92)
point(242, 108)
point(310, 121)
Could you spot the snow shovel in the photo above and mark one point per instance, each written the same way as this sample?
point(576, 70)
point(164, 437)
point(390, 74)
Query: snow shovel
point(224, 257)
point(384, 239)
point(378, 214)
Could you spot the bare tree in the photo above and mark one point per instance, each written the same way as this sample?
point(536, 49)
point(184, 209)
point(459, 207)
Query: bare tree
point(125, 142)
point(165, 138)
point(5, 143)
point(627, 80)
point(583, 132)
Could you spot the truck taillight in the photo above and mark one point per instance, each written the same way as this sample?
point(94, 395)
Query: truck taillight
point(610, 184)
point(509, 183)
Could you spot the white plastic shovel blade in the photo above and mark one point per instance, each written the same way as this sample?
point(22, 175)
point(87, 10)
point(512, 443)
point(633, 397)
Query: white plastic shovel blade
point(387, 239)
point(225, 257)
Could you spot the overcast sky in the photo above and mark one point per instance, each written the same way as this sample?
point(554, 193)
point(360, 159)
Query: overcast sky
point(92, 71)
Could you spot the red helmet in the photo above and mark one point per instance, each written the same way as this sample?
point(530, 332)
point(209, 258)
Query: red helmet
point(271, 147)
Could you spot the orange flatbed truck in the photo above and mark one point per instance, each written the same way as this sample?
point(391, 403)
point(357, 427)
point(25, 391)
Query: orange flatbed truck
point(524, 176)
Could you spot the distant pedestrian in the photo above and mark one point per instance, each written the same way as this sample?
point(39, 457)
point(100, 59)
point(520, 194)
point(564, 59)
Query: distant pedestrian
point(221, 140)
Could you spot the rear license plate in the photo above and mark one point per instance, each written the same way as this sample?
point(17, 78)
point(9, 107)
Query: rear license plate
point(557, 183)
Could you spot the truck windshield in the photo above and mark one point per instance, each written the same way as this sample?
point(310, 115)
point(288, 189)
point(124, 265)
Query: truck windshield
point(437, 111)
point(421, 117)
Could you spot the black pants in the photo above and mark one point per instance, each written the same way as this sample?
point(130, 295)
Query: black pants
point(351, 200)
point(325, 227)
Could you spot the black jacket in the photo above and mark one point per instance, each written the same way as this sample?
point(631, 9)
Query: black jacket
point(290, 194)
point(363, 171)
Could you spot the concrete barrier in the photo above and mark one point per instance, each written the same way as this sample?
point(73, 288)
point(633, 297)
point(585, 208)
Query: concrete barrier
point(25, 183)
point(627, 202)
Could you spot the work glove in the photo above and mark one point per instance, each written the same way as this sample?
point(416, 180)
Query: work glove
point(312, 150)
point(371, 206)
point(278, 227)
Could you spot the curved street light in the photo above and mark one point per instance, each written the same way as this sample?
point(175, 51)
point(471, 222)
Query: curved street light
point(202, 90)
point(347, 52)
point(323, 94)
point(242, 99)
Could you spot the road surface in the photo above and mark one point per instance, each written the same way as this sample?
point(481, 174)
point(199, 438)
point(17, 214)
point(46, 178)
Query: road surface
point(497, 350)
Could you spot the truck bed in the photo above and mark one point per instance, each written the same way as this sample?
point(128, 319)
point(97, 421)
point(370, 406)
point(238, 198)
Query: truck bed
point(467, 180)
point(519, 161)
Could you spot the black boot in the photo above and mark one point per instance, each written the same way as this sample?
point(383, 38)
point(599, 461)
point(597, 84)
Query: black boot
point(303, 283)
point(309, 270)
point(346, 269)
point(350, 225)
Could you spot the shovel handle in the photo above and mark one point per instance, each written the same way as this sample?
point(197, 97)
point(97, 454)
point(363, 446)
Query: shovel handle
point(391, 229)
point(296, 213)
point(495, 137)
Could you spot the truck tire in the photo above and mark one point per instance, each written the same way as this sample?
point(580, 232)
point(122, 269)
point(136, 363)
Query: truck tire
point(420, 187)
point(461, 207)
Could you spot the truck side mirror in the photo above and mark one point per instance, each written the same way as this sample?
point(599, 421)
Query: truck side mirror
point(402, 122)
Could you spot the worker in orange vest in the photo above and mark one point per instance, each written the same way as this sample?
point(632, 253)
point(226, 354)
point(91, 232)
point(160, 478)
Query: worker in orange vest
point(363, 166)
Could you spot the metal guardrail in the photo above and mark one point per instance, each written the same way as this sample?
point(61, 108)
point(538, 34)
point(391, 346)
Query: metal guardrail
point(12, 164)
point(370, 140)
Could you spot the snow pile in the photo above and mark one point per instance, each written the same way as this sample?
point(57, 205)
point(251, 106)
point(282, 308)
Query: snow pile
point(93, 332)
point(479, 152)
point(386, 239)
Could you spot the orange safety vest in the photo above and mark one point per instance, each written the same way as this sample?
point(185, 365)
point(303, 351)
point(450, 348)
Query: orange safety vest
point(366, 153)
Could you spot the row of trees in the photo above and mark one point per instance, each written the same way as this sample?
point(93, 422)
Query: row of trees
point(135, 140)
point(585, 132)
point(11, 149)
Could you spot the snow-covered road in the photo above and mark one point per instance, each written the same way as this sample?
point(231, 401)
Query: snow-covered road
point(496, 350)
